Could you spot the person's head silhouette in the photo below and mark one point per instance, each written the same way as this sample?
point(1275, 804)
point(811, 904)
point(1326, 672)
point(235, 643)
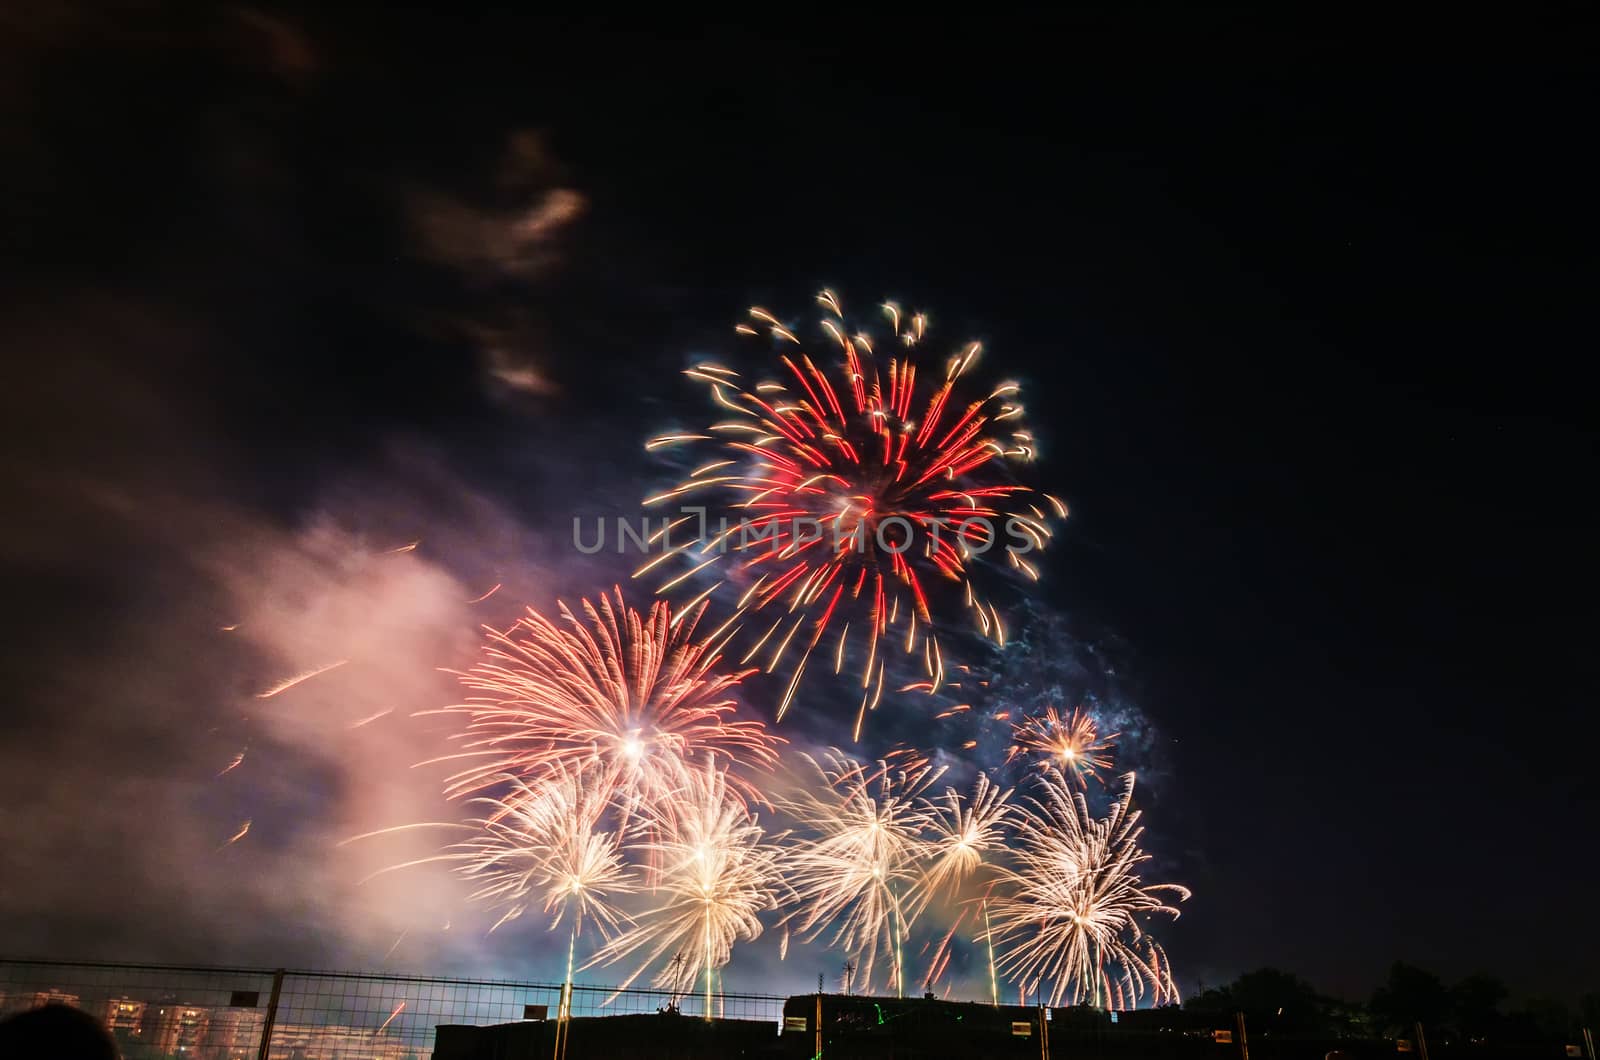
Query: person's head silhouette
point(55, 1032)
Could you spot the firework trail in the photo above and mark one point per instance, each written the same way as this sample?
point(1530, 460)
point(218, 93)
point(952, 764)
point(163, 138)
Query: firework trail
point(628, 699)
point(1070, 919)
point(390, 1020)
point(964, 836)
point(244, 830)
point(854, 869)
point(856, 491)
point(718, 874)
point(289, 682)
point(1072, 744)
point(545, 844)
point(370, 718)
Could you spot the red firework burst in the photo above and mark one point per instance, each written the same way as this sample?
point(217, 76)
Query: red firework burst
point(855, 488)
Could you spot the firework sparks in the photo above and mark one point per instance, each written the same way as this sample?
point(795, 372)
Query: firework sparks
point(370, 718)
point(966, 834)
point(719, 873)
point(1071, 744)
point(480, 599)
point(237, 761)
point(858, 491)
point(546, 844)
point(390, 1020)
point(634, 695)
point(244, 830)
point(857, 864)
point(289, 682)
point(1070, 921)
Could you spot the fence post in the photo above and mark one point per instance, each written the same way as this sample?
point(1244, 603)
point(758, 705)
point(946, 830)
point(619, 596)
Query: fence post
point(272, 1016)
point(1044, 1033)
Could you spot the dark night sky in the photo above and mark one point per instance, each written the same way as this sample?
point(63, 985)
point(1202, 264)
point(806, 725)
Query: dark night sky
point(1297, 308)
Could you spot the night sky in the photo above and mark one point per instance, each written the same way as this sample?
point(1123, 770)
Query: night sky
point(1296, 309)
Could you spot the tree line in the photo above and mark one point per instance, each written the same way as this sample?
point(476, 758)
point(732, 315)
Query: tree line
point(1475, 1009)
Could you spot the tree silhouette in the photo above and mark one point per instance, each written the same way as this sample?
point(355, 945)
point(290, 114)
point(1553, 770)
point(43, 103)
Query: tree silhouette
point(1475, 1005)
point(1411, 995)
point(1272, 999)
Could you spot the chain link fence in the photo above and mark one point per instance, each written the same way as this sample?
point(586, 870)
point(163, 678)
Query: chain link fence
point(176, 1012)
point(158, 1012)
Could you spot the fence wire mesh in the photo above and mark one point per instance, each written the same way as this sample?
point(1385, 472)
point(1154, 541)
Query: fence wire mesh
point(157, 1012)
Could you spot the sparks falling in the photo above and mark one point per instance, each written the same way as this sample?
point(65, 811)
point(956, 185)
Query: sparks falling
point(719, 872)
point(548, 845)
point(289, 682)
point(1071, 916)
point(862, 495)
point(244, 830)
point(397, 1010)
point(856, 860)
point(964, 835)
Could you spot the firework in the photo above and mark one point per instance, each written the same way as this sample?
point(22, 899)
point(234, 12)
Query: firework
point(1070, 921)
point(857, 492)
point(1072, 744)
point(854, 870)
point(718, 874)
point(546, 844)
point(628, 699)
point(965, 834)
